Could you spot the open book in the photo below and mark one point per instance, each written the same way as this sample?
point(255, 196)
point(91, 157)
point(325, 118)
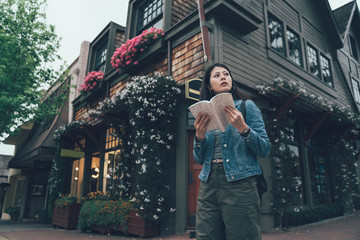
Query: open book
point(215, 109)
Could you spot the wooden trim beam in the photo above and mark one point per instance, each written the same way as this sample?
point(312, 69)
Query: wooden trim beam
point(317, 124)
point(77, 142)
point(286, 105)
point(91, 135)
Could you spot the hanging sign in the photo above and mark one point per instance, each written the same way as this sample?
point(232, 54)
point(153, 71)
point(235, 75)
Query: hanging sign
point(72, 153)
point(192, 89)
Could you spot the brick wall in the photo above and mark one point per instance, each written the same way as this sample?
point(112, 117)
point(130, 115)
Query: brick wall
point(118, 86)
point(81, 114)
point(188, 60)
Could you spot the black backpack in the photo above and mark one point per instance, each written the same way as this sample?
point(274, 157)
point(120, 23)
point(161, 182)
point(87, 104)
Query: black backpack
point(260, 180)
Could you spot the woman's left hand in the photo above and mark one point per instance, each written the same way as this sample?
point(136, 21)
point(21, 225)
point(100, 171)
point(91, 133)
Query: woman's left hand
point(236, 118)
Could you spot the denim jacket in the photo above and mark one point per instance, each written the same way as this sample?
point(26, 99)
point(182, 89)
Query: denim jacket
point(239, 153)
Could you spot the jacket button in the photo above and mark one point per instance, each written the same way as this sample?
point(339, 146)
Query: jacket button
point(227, 160)
point(225, 145)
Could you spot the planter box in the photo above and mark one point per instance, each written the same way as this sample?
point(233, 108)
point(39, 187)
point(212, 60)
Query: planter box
point(66, 217)
point(138, 226)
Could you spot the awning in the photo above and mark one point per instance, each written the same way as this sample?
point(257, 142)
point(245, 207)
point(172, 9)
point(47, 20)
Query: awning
point(39, 146)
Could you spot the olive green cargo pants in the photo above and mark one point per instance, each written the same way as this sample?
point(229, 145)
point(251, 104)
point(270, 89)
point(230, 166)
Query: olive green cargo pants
point(227, 210)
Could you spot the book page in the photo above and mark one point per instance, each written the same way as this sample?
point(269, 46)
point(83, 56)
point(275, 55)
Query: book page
point(219, 102)
point(205, 106)
point(215, 108)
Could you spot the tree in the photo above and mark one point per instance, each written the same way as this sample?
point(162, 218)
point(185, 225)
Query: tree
point(27, 46)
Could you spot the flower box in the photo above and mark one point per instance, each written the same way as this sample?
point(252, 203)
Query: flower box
point(138, 226)
point(66, 217)
point(134, 50)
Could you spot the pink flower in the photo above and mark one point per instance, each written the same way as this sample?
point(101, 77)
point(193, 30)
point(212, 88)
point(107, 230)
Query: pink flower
point(128, 53)
point(91, 80)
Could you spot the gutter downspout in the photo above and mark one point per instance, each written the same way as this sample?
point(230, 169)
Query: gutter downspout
point(204, 31)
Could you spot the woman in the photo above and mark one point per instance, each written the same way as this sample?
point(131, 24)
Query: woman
point(228, 201)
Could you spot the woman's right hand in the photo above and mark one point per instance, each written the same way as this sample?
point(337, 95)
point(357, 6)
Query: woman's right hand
point(201, 123)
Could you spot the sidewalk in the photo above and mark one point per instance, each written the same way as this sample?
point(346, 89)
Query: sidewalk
point(341, 228)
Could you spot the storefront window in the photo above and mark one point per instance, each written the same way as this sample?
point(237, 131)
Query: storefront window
point(317, 157)
point(94, 174)
point(113, 144)
point(111, 162)
point(288, 173)
point(77, 178)
point(319, 186)
point(77, 175)
point(287, 165)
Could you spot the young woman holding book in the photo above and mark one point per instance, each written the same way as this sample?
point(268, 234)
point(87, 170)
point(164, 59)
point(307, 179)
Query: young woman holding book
point(228, 201)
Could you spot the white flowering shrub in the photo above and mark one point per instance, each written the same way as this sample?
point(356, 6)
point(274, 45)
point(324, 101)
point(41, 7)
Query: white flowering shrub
point(148, 141)
point(298, 87)
point(141, 171)
point(288, 198)
point(152, 106)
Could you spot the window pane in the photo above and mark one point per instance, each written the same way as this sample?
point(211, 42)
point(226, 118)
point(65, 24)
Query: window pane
point(158, 24)
point(318, 178)
point(294, 47)
point(313, 61)
point(150, 10)
point(355, 85)
point(276, 31)
point(325, 69)
point(353, 47)
point(100, 57)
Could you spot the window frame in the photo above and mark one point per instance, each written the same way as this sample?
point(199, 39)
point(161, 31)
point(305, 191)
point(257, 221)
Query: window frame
point(289, 29)
point(323, 56)
point(353, 47)
point(284, 53)
point(320, 55)
point(285, 29)
point(310, 46)
point(102, 43)
point(140, 26)
point(305, 67)
point(356, 93)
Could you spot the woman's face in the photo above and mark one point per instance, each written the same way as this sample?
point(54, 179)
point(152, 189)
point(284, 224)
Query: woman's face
point(220, 80)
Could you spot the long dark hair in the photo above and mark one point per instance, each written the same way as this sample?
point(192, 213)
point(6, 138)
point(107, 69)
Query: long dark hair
point(206, 94)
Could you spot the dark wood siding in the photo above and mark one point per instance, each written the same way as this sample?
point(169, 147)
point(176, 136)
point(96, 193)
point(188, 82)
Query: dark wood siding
point(182, 8)
point(251, 61)
point(119, 38)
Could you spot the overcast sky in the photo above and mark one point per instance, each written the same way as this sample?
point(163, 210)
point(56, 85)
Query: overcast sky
point(78, 20)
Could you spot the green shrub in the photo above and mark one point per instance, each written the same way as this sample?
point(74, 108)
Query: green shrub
point(104, 213)
point(65, 201)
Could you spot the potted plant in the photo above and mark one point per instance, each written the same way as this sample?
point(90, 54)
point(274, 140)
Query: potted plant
point(104, 215)
point(66, 212)
point(14, 212)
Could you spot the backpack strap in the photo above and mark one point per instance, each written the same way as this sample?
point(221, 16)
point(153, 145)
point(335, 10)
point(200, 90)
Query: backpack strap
point(243, 109)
